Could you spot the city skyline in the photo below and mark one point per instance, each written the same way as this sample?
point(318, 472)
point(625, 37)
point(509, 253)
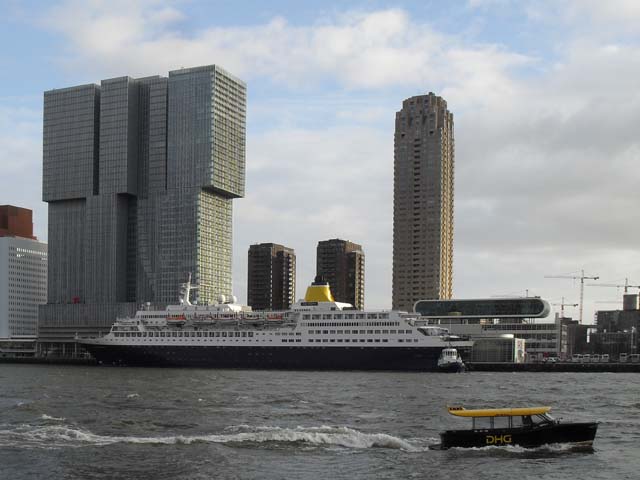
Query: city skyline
point(543, 185)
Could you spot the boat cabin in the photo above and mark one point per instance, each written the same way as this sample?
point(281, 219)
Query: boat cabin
point(500, 418)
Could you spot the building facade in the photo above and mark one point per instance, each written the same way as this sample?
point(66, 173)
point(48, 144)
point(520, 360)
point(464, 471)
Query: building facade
point(341, 263)
point(271, 277)
point(139, 175)
point(423, 187)
point(495, 317)
point(617, 332)
point(23, 275)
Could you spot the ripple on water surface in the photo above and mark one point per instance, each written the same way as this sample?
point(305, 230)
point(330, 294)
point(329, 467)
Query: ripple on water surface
point(110, 423)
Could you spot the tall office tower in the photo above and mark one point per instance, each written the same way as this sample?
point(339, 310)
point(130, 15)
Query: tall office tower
point(139, 175)
point(23, 274)
point(423, 202)
point(271, 282)
point(341, 263)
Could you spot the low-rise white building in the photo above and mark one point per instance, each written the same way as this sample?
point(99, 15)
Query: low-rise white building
point(23, 282)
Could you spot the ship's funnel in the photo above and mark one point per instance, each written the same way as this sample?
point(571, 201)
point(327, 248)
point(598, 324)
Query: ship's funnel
point(319, 291)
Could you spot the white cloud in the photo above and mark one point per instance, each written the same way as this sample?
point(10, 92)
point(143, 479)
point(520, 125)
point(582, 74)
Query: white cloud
point(304, 186)
point(599, 12)
point(21, 162)
point(545, 156)
point(356, 49)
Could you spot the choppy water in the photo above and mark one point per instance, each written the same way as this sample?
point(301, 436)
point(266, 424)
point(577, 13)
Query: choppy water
point(127, 423)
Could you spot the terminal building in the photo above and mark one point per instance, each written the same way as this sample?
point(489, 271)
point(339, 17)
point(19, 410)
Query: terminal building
point(501, 318)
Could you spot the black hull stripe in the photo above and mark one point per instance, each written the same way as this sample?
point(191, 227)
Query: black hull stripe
point(316, 358)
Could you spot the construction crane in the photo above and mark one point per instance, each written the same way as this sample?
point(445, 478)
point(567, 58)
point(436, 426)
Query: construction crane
point(562, 305)
point(626, 285)
point(582, 277)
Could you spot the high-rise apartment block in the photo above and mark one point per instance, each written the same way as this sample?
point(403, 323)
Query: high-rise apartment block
point(23, 274)
point(341, 263)
point(423, 202)
point(139, 175)
point(271, 279)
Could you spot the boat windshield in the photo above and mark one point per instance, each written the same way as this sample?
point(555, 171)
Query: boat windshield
point(543, 418)
point(529, 420)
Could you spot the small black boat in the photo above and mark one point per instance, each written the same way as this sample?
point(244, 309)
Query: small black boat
point(525, 427)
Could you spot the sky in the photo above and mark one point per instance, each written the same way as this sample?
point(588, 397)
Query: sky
point(544, 95)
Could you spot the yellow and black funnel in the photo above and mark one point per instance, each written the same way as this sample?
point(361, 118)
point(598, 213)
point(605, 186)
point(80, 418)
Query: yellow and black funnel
point(319, 291)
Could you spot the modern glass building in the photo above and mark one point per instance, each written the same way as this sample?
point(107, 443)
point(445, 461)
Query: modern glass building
point(423, 202)
point(529, 307)
point(494, 317)
point(139, 175)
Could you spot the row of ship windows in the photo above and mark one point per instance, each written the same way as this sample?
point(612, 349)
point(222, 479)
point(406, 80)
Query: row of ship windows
point(362, 332)
point(297, 340)
point(346, 316)
point(183, 334)
point(354, 340)
point(352, 324)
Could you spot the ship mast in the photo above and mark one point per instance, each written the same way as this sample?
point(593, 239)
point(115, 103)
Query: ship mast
point(185, 291)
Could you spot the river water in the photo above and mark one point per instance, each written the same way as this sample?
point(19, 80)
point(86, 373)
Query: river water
point(72, 422)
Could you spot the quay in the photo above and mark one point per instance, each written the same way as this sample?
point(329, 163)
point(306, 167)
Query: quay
point(553, 367)
point(49, 360)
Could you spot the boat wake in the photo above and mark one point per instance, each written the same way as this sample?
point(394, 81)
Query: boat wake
point(65, 436)
point(556, 449)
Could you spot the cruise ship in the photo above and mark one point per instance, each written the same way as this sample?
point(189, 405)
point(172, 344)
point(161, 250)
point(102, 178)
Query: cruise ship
point(316, 333)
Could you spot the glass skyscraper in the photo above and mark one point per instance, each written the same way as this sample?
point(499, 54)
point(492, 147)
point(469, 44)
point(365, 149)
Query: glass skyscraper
point(139, 175)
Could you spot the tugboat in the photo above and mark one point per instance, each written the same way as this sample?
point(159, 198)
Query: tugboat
point(526, 427)
point(450, 361)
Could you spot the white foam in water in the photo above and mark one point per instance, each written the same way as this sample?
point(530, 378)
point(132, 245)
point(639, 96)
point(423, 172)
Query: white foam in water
point(133, 395)
point(60, 436)
point(517, 449)
point(47, 417)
